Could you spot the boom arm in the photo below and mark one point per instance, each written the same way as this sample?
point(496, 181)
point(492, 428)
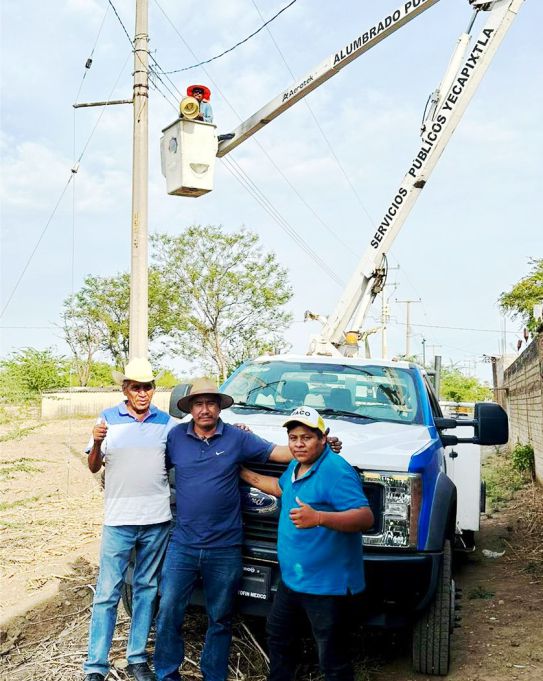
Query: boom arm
point(458, 87)
point(328, 68)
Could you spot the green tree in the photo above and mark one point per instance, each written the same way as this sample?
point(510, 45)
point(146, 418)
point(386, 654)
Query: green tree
point(456, 387)
point(232, 295)
point(28, 372)
point(96, 318)
point(100, 375)
point(520, 300)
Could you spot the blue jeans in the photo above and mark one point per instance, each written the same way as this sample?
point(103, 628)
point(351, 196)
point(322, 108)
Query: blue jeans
point(220, 570)
point(329, 620)
point(150, 543)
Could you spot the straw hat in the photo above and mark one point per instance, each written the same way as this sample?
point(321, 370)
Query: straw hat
point(204, 386)
point(137, 369)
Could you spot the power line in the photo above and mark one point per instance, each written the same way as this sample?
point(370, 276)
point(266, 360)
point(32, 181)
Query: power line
point(237, 171)
point(121, 22)
point(74, 170)
point(244, 178)
point(230, 49)
point(317, 123)
point(459, 328)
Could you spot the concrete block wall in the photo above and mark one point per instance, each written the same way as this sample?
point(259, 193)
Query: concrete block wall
point(523, 383)
point(89, 401)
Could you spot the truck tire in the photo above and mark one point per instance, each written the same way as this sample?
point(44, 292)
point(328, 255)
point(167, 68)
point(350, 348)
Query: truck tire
point(432, 632)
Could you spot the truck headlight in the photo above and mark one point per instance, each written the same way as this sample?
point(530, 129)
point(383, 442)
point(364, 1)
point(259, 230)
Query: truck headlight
point(398, 518)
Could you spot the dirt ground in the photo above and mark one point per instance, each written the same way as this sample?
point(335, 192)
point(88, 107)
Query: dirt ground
point(50, 518)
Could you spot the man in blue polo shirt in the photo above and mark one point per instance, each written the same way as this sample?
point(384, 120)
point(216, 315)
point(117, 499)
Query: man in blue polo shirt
point(206, 454)
point(323, 512)
point(130, 440)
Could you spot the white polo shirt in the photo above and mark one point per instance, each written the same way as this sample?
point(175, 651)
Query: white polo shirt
point(136, 481)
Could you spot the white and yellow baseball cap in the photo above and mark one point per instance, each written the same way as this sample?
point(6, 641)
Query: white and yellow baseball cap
point(308, 417)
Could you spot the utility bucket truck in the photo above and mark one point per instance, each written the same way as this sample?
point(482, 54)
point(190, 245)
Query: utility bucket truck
point(385, 412)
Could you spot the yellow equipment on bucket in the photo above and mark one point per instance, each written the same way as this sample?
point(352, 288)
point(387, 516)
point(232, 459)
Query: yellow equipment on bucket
point(189, 107)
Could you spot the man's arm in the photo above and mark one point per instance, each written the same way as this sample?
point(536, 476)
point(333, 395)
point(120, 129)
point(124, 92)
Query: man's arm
point(265, 483)
point(281, 454)
point(352, 520)
point(95, 460)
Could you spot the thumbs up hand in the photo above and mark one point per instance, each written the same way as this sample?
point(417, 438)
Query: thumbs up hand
point(99, 431)
point(305, 516)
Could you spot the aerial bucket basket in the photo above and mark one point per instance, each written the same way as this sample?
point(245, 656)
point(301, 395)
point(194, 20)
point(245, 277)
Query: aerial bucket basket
point(188, 149)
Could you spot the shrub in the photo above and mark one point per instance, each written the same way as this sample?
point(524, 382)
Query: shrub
point(522, 458)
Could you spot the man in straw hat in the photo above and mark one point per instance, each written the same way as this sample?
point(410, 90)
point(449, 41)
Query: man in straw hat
point(206, 543)
point(130, 440)
point(319, 545)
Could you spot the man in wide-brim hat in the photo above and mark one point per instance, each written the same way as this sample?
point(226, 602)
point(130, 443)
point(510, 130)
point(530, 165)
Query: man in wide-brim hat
point(206, 543)
point(130, 440)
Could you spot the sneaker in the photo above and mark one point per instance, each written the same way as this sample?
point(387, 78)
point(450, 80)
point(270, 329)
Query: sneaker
point(140, 671)
point(95, 676)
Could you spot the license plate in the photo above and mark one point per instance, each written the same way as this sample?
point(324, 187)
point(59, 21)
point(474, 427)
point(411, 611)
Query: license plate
point(255, 582)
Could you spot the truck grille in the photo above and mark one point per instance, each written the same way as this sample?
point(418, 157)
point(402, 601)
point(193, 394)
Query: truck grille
point(260, 528)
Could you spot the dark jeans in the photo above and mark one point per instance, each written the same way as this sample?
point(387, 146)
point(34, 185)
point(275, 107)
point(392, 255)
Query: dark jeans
point(220, 570)
point(328, 618)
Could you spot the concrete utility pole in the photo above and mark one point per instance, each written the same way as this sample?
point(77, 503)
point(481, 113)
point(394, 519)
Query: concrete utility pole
point(139, 295)
point(385, 314)
point(408, 324)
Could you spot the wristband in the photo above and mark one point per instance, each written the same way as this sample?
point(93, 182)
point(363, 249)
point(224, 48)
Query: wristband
point(318, 518)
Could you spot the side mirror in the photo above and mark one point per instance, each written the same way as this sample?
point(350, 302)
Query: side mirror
point(178, 392)
point(491, 424)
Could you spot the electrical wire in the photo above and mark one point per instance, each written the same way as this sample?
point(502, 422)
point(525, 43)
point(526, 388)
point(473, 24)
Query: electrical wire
point(121, 22)
point(456, 328)
point(235, 169)
point(70, 178)
point(323, 134)
point(89, 58)
point(239, 172)
point(231, 49)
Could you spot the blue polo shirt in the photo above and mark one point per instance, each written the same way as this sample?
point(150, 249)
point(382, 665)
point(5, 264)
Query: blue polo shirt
point(207, 482)
point(319, 560)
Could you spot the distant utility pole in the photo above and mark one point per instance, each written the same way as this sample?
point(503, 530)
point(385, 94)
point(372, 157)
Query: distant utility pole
point(139, 280)
point(385, 315)
point(423, 351)
point(408, 323)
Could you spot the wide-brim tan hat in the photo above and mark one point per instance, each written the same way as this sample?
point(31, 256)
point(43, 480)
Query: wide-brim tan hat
point(137, 369)
point(204, 386)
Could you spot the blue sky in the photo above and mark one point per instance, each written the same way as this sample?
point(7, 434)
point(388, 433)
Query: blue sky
point(468, 238)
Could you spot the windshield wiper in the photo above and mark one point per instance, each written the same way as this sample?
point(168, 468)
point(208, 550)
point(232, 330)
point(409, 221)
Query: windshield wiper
point(343, 412)
point(262, 407)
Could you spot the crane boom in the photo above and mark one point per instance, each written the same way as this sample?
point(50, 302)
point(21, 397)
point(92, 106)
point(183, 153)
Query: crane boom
point(450, 104)
point(329, 67)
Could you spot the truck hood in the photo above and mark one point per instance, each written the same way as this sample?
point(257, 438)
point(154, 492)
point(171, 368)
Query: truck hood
point(368, 445)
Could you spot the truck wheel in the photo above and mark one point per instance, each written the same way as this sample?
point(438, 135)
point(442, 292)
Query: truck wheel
point(126, 597)
point(432, 632)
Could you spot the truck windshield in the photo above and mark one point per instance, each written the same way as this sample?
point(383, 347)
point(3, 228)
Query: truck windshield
point(380, 393)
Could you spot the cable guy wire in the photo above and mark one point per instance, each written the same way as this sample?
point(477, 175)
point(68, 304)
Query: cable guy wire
point(230, 49)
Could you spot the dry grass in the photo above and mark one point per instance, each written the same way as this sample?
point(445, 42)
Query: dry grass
point(526, 544)
point(35, 529)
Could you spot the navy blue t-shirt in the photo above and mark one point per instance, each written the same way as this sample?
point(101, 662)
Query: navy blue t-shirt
point(207, 482)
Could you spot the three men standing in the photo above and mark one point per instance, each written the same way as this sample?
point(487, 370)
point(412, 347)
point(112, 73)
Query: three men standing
point(138, 443)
